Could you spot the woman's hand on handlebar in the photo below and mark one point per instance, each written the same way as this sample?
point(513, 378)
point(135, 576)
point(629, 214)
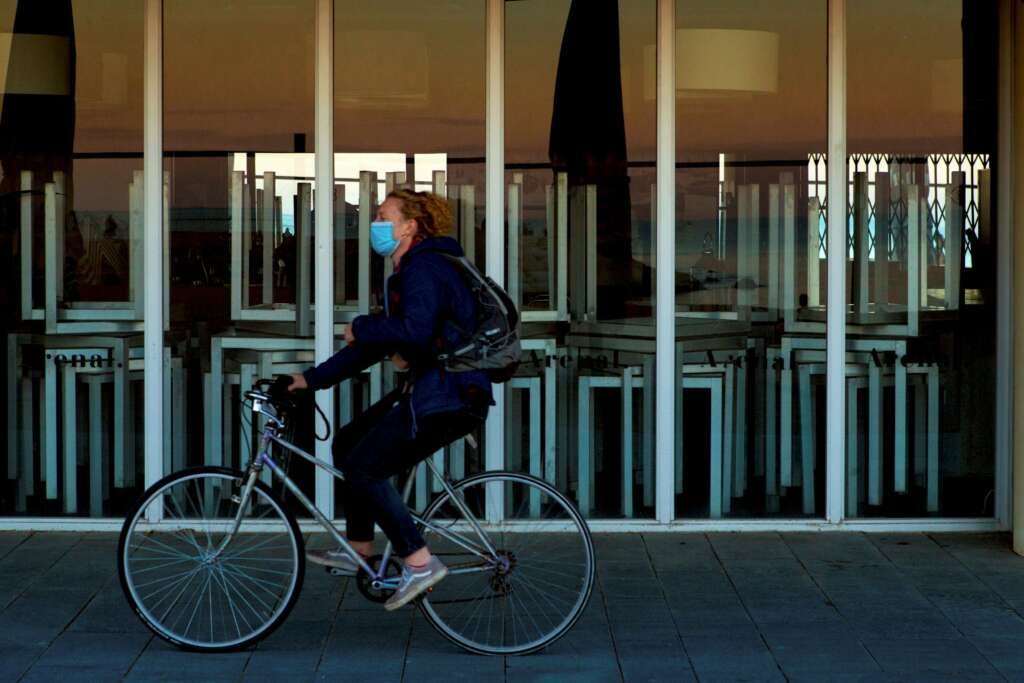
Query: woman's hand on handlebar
point(298, 382)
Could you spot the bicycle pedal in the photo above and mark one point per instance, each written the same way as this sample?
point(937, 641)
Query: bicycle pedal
point(236, 499)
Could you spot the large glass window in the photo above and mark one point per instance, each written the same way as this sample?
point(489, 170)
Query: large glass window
point(408, 114)
point(751, 104)
point(238, 140)
point(921, 360)
point(71, 250)
point(580, 157)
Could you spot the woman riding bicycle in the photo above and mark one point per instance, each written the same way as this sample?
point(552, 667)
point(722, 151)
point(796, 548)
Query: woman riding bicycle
point(427, 304)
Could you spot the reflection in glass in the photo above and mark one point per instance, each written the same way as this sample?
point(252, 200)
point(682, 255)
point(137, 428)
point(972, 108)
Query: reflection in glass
point(70, 183)
point(580, 150)
point(239, 164)
point(408, 114)
point(750, 265)
point(921, 321)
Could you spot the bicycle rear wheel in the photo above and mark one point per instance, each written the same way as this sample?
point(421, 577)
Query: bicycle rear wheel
point(536, 583)
point(186, 591)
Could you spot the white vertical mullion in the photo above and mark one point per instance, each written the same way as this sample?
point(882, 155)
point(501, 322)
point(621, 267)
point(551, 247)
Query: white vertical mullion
point(153, 216)
point(323, 255)
point(494, 261)
point(665, 301)
point(835, 336)
point(1004, 268)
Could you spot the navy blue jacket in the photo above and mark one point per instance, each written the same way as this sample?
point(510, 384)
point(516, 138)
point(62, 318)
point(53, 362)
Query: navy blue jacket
point(428, 306)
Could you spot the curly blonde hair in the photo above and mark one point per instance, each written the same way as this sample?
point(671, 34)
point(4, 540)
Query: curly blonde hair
point(431, 212)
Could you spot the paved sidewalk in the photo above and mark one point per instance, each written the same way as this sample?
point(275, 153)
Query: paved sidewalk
point(670, 607)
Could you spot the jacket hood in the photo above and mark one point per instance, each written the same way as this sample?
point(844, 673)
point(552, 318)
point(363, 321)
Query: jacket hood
point(445, 245)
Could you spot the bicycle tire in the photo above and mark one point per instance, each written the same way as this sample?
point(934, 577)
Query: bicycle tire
point(293, 533)
point(586, 542)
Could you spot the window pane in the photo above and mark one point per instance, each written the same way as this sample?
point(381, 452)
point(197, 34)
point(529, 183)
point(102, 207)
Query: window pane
point(238, 140)
point(921, 260)
point(408, 114)
point(580, 156)
point(70, 165)
point(751, 102)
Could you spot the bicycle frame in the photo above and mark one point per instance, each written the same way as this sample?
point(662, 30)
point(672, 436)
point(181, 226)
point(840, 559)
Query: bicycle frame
point(269, 436)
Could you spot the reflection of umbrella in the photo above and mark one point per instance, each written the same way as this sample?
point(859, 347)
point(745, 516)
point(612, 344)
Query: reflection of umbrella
point(37, 109)
point(37, 118)
point(588, 136)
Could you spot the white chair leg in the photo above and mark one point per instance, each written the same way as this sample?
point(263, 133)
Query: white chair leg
point(718, 454)
point(12, 406)
point(48, 473)
point(421, 486)
point(740, 467)
point(514, 422)
point(435, 482)
point(124, 427)
point(167, 463)
point(535, 443)
point(626, 441)
point(97, 468)
point(900, 430)
point(680, 444)
point(852, 466)
point(921, 432)
point(771, 484)
point(807, 450)
point(246, 433)
point(786, 423)
point(874, 434)
point(26, 474)
point(728, 452)
point(584, 485)
point(458, 460)
point(647, 444)
point(551, 425)
point(227, 429)
point(933, 439)
point(70, 429)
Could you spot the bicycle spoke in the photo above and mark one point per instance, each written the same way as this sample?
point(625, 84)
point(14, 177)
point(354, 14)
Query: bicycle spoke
point(187, 592)
point(541, 579)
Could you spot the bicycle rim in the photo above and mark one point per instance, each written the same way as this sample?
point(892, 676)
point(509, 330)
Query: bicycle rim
point(535, 586)
point(189, 594)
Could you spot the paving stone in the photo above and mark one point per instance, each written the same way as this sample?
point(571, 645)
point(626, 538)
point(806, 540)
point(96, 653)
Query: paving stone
point(745, 656)
point(161, 661)
point(9, 540)
point(271, 664)
point(95, 650)
point(952, 657)
point(749, 546)
point(814, 606)
point(1006, 655)
point(16, 655)
point(982, 621)
point(812, 653)
point(42, 613)
point(653, 659)
point(108, 612)
point(48, 674)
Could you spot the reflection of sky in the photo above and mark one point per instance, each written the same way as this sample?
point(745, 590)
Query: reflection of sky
point(291, 169)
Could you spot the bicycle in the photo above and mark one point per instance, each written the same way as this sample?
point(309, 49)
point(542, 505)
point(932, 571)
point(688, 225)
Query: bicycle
point(225, 565)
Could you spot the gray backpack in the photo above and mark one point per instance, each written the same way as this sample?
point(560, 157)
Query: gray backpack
point(493, 346)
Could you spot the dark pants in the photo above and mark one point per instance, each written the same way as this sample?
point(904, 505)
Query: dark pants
point(380, 444)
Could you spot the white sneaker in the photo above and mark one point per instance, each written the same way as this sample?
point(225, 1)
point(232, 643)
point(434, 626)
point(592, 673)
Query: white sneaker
point(415, 582)
point(338, 560)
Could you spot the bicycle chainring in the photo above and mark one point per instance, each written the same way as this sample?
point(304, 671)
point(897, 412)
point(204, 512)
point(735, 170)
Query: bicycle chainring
point(364, 582)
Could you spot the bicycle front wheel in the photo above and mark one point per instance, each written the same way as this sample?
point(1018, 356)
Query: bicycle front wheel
point(188, 589)
point(523, 587)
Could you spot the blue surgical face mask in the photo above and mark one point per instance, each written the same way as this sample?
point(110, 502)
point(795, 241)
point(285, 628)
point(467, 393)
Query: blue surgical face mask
point(382, 237)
